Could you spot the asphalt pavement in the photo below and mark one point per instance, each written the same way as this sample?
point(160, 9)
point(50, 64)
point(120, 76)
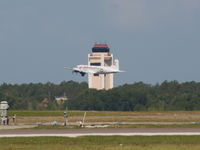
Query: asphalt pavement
point(99, 132)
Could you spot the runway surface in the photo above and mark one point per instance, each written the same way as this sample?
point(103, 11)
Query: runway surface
point(99, 132)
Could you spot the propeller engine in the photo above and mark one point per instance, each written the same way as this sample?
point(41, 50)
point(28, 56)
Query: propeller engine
point(82, 73)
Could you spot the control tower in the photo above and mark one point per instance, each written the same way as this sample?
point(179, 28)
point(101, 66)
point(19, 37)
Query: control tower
point(100, 56)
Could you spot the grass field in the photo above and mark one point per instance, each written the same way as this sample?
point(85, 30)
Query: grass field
point(107, 116)
point(102, 143)
point(33, 113)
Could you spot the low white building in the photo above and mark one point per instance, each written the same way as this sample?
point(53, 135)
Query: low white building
point(60, 99)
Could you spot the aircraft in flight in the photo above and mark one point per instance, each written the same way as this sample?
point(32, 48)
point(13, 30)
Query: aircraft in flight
point(83, 69)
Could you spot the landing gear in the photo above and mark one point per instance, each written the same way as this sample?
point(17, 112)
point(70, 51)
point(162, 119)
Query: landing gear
point(82, 74)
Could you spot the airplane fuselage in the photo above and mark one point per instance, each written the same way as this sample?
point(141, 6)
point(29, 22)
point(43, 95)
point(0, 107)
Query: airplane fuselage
point(83, 69)
point(95, 69)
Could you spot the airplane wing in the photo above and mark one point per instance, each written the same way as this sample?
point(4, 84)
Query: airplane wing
point(122, 71)
point(76, 70)
point(68, 68)
point(83, 71)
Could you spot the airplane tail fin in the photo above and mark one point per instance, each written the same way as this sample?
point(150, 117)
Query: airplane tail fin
point(116, 64)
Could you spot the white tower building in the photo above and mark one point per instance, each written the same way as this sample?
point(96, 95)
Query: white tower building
point(100, 56)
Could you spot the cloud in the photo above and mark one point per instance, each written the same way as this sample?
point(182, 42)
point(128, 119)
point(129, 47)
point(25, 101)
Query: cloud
point(140, 14)
point(125, 14)
point(191, 4)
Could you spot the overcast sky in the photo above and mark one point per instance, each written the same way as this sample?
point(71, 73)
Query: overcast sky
point(155, 40)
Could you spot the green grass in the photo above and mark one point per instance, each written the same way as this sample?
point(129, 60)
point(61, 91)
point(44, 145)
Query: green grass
point(27, 116)
point(102, 143)
point(42, 113)
point(35, 113)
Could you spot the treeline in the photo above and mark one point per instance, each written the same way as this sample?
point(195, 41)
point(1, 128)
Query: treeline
point(39, 96)
point(129, 97)
point(142, 97)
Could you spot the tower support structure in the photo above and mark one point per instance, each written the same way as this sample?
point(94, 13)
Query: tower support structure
point(100, 56)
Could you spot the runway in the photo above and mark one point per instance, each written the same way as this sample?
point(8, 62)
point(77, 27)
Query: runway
point(99, 132)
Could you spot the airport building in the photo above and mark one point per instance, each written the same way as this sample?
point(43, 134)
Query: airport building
point(100, 56)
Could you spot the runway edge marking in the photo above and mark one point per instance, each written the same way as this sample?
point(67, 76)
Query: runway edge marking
point(99, 134)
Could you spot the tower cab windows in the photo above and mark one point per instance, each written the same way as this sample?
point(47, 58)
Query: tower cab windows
point(95, 64)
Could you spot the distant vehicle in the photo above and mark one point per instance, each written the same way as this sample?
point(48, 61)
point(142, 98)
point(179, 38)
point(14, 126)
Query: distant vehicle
point(83, 69)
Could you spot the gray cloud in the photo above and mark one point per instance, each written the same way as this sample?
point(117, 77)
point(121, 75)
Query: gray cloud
point(125, 14)
point(137, 14)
